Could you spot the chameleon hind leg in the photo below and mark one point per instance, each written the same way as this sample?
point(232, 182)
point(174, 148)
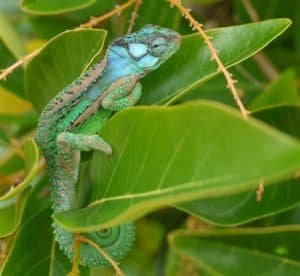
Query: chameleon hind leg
point(116, 241)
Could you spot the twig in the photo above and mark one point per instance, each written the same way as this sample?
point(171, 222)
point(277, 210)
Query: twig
point(103, 253)
point(260, 191)
point(250, 10)
point(228, 76)
point(20, 62)
point(134, 15)
point(75, 262)
point(118, 9)
point(260, 58)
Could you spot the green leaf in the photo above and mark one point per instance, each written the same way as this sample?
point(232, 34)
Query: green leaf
point(11, 49)
point(206, 150)
point(166, 17)
point(252, 251)
point(282, 91)
point(49, 7)
point(192, 65)
point(243, 207)
point(10, 38)
point(12, 105)
point(33, 251)
point(11, 212)
point(284, 117)
point(31, 169)
point(60, 62)
point(249, 84)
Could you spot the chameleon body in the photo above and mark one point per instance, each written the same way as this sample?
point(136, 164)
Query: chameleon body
point(70, 122)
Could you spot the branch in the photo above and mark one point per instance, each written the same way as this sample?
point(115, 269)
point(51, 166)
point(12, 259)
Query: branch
point(134, 15)
point(228, 76)
point(118, 9)
point(103, 253)
point(20, 62)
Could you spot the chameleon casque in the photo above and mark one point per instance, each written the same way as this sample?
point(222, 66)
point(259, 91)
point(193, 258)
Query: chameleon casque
point(70, 122)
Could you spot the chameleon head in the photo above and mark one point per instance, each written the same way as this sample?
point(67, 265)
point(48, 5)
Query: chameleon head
point(149, 47)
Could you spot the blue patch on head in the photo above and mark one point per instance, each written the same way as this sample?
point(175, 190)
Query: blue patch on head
point(138, 50)
point(148, 61)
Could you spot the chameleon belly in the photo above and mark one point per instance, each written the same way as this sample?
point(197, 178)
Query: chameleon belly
point(70, 121)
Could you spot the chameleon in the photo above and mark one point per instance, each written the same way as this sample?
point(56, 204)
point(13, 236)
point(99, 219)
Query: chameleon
point(70, 123)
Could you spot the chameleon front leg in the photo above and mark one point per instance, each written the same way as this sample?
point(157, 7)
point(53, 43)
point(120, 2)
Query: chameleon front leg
point(123, 96)
point(68, 141)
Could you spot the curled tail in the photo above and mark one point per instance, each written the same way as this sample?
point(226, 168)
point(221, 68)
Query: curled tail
point(116, 242)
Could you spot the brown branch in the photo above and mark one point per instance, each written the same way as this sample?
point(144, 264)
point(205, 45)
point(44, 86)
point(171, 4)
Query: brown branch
point(20, 62)
point(103, 253)
point(118, 9)
point(134, 15)
point(250, 10)
point(260, 191)
point(228, 76)
point(267, 67)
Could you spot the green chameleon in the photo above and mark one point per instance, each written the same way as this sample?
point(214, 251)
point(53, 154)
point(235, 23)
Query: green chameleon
point(70, 122)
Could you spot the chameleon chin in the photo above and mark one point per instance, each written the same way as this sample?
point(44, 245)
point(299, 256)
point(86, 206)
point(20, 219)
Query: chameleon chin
point(70, 122)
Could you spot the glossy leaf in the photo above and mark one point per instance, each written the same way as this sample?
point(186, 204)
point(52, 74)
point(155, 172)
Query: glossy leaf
point(13, 105)
point(244, 207)
point(33, 251)
point(241, 208)
point(48, 7)
point(60, 62)
point(10, 38)
point(32, 158)
point(281, 92)
point(192, 65)
point(181, 164)
point(253, 251)
point(11, 49)
point(11, 212)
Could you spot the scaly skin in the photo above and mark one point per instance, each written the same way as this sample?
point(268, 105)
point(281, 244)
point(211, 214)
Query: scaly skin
point(70, 121)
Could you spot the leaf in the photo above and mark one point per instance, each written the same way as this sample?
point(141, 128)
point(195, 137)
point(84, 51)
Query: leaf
point(31, 163)
point(60, 62)
point(11, 213)
point(50, 7)
point(10, 38)
point(166, 17)
point(189, 161)
point(283, 117)
point(33, 251)
point(11, 104)
point(282, 91)
point(243, 207)
point(11, 49)
point(192, 64)
point(250, 84)
point(248, 251)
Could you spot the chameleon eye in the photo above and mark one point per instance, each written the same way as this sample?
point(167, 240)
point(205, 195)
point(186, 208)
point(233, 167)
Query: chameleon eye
point(158, 45)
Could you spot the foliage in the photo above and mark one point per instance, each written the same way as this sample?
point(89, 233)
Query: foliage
point(229, 185)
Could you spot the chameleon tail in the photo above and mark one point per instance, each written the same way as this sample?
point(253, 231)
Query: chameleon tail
point(116, 242)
